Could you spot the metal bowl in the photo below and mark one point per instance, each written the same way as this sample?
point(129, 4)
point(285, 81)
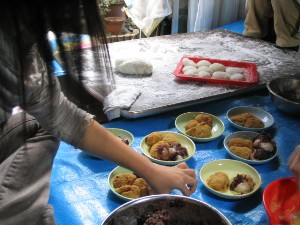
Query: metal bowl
point(181, 209)
point(285, 94)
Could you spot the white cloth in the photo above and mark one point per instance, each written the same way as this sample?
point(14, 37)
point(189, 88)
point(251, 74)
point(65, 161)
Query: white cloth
point(147, 14)
point(120, 98)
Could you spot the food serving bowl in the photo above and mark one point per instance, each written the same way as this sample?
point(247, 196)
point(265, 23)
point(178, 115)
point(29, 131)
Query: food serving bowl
point(281, 200)
point(259, 113)
point(183, 140)
point(118, 171)
point(121, 133)
point(246, 135)
point(231, 168)
point(181, 209)
point(285, 94)
point(217, 130)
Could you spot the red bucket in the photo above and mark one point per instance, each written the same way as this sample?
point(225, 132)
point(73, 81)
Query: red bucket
point(281, 199)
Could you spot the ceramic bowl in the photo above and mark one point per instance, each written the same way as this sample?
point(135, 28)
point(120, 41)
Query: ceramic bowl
point(218, 127)
point(245, 135)
point(231, 168)
point(261, 114)
point(117, 171)
point(121, 133)
point(183, 140)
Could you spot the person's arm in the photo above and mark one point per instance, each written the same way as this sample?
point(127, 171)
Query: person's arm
point(294, 164)
point(65, 120)
point(98, 141)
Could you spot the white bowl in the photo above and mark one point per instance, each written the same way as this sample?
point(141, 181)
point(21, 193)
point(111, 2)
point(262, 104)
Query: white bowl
point(261, 114)
point(116, 171)
point(231, 168)
point(246, 135)
point(218, 127)
point(183, 140)
point(121, 133)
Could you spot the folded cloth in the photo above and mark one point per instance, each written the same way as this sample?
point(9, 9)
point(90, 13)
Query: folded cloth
point(118, 99)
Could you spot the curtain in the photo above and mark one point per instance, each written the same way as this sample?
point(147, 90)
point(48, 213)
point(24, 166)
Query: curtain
point(209, 14)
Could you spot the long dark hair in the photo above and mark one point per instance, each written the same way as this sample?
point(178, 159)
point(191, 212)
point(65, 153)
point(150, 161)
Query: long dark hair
point(63, 16)
point(59, 16)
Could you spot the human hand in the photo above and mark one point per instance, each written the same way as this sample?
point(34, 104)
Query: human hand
point(179, 177)
point(294, 164)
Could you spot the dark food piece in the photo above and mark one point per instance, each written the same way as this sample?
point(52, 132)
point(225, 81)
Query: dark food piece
point(263, 147)
point(260, 154)
point(125, 140)
point(242, 184)
point(181, 151)
point(174, 152)
point(161, 217)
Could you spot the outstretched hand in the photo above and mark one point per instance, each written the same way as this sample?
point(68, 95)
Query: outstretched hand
point(294, 164)
point(179, 177)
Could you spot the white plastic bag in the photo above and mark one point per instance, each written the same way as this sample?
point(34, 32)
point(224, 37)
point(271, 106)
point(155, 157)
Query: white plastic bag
point(147, 14)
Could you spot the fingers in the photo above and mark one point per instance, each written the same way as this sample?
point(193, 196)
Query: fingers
point(187, 170)
point(293, 155)
point(192, 187)
point(182, 165)
point(294, 164)
point(190, 181)
point(294, 161)
point(181, 177)
point(190, 173)
point(189, 188)
point(186, 191)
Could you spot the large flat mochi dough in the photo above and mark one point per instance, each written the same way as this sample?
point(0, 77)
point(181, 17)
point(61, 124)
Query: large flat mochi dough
point(133, 66)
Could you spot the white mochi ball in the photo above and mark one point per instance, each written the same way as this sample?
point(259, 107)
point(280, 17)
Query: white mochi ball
point(191, 72)
point(220, 75)
point(234, 70)
point(202, 73)
point(238, 76)
point(185, 68)
point(217, 67)
point(203, 63)
point(188, 62)
point(205, 68)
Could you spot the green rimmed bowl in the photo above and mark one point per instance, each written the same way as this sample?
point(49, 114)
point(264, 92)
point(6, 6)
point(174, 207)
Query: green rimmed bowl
point(218, 126)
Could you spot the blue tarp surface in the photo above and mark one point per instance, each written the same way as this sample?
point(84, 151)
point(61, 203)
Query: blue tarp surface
point(79, 189)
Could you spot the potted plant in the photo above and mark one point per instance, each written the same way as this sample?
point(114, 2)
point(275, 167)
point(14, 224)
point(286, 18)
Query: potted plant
point(114, 17)
point(104, 7)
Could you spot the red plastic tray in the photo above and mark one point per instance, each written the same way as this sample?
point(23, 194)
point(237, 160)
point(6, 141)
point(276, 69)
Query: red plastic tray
point(250, 72)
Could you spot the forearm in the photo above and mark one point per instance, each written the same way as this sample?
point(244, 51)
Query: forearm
point(98, 141)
